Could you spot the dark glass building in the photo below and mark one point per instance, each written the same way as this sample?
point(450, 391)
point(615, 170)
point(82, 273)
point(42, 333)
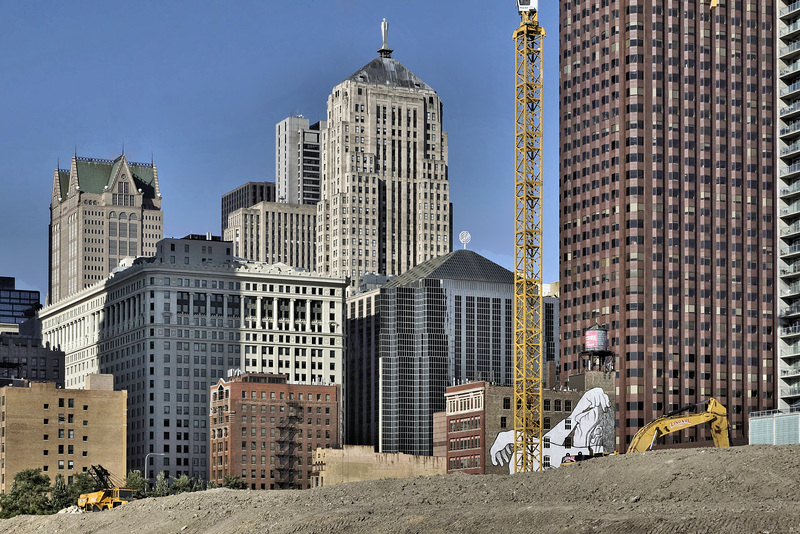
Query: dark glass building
point(14, 303)
point(446, 321)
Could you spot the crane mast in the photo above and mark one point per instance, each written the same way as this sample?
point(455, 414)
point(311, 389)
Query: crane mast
point(528, 358)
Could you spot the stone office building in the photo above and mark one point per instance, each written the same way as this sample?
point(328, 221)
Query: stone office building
point(101, 211)
point(169, 326)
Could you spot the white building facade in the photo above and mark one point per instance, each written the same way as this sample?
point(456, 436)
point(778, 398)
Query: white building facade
point(168, 327)
point(385, 199)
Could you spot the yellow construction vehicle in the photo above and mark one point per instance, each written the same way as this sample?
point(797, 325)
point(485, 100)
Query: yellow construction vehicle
point(715, 415)
point(109, 497)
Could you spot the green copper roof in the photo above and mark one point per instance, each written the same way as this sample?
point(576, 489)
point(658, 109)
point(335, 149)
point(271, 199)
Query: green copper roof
point(63, 182)
point(457, 265)
point(95, 174)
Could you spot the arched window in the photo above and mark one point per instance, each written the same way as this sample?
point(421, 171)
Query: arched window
point(133, 217)
point(123, 217)
point(112, 215)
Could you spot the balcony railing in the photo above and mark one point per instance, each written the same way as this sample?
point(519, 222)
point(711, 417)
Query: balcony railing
point(790, 330)
point(790, 391)
point(791, 310)
point(791, 7)
point(788, 49)
point(794, 249)
point(791, 229)
point(795, 167)
point(790, 68)
point(791, 28)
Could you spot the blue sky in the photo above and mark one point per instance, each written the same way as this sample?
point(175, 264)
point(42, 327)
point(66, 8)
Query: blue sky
point(199, 85)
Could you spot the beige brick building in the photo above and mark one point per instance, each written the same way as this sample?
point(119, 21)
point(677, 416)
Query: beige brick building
point(62, 431)
point(384, 205)
point(100, 212)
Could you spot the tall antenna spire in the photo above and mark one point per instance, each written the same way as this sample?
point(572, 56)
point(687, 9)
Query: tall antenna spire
point(384, 50)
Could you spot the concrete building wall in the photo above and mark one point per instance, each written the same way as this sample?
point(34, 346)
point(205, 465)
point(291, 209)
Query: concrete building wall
point(788, 172)
point(61, 431)
point(297, 160)
point(356, 463)
point(264, 430)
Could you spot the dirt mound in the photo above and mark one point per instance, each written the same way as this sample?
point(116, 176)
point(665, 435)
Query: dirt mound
point(743, 489)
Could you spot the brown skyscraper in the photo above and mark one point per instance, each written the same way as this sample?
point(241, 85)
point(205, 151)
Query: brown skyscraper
point(667, 209)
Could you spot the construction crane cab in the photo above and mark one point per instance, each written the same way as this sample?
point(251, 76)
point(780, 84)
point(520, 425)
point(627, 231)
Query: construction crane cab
point(715, 415)
point(527, 5)
point(109, 497)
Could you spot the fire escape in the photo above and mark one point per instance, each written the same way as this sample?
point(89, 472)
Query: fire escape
point(286, 476)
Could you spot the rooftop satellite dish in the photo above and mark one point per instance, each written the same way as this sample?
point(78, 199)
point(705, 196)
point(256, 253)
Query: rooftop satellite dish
point(465, 238)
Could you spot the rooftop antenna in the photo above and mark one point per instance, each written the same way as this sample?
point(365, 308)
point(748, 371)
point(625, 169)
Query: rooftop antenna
point(465, 238)
point(123, 148)
point(384, 50)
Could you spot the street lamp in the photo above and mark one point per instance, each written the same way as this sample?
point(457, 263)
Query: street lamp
point(149, 454)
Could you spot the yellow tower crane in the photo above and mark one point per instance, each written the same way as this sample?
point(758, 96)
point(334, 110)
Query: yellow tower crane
point(528, 361)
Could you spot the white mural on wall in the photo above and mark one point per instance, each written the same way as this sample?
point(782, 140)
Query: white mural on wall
point(590, 427)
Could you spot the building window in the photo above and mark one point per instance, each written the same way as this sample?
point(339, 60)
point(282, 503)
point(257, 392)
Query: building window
point(503, 423)
point(506, 403)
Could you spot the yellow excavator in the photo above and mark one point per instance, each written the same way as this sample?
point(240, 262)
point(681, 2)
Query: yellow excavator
point(107, 498)
point(715, 415)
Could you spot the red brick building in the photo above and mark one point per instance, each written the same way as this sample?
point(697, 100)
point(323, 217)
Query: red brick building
point(264, 430)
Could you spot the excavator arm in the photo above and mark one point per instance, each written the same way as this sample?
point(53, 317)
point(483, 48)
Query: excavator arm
point(716, 415)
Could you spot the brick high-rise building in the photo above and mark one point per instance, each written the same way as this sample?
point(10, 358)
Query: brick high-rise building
point(100, 212)
point(385, 200)
point(667, 221)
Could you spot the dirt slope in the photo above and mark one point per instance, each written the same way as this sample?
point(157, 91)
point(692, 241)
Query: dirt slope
point(745, 489)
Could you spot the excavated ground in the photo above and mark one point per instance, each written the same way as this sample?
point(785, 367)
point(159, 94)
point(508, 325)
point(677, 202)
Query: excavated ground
point(743, 489)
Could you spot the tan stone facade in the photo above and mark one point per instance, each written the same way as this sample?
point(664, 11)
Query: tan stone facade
point(384, 204)
point(358, 463)
point(264, 430)
point(62, 431)
point(274, 232)
point(101, 211)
